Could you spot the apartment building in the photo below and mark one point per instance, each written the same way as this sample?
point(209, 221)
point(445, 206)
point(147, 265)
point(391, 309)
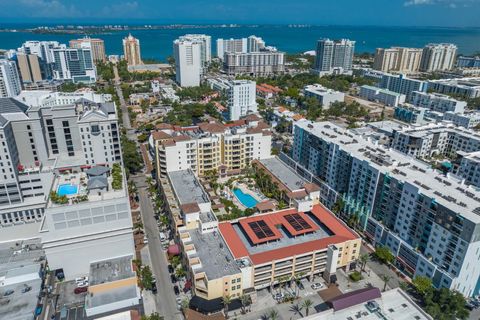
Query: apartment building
point(205, 42)
point(43, 50)
point(467, 165)
point(324, 95)
point(435, 139)
point(256, 63)
point(10, 84)
point(97, 46)
point(384, 96)
point(399, 59)
point(334, 56)
point(468, 120)
point(464, 87)
point(74, 64)
point(429, 221)
point(410, 114)
point(438, 57)
point(241, 95)
point(211, 146)
point(231, 45)
point(468, 62)
point(188, 62)
point(401, 84)
point(131, 50)
point(437, 102)
point(29, 68)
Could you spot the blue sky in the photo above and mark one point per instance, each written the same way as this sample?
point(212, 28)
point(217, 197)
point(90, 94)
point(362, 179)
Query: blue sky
point(458, 13)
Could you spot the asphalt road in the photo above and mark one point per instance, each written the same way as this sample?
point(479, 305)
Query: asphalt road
point(165, 298)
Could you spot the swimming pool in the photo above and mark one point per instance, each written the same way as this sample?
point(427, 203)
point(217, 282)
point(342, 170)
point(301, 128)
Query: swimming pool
point(246, 199)
point(67, 189)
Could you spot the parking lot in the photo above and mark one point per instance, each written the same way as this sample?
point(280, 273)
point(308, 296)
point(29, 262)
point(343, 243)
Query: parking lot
point(69, 305)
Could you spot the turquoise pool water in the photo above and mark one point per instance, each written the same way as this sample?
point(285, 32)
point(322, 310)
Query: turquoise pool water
point(67, 189)
point(246, 199)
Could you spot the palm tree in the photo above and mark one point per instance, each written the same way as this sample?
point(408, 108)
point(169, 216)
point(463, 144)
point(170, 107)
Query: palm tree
point(307, 304)
point(385, 278)
point(297, 309)
point(273, 314)
point(226, 300)
point(364, 258)
point(245, 300)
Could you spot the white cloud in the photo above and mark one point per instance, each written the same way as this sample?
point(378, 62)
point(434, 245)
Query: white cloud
point(49, 8)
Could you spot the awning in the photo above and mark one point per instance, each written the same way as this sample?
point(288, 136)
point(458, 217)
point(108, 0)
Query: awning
point(173, 250)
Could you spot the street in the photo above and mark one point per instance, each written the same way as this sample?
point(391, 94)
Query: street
point(123, 105)
point(165, 298)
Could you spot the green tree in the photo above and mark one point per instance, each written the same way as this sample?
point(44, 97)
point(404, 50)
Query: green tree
point(153, 316)
point(307, 304)
point(444, 304)
point(132, 160)
point(147, 278)
point(363, 259)
point(297, 309)
point(246, 300)
point(226, 300)
point(384, 255)
point(273, 315)
point(422, 284)
point(385, 278)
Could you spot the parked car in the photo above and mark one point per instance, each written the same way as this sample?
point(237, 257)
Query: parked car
point(81, 279)
point(80, 290)
point(154, 288)
point(317, 286)
point(26, 288)
point(145, 240)
point(173, 278)
point(170, 268)
point(8, 292)
point(38, 310)
point(176, 290)
point(82, 284)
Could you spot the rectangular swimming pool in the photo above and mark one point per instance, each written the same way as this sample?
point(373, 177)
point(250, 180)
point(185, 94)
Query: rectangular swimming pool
point(67, 189)
point(246, 199)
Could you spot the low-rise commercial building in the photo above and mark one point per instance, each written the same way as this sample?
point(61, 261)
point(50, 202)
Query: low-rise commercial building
point(324, 96)
point(383, 96)
point(371, 304)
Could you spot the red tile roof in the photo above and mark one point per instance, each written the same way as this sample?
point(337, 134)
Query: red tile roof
point(341, 233)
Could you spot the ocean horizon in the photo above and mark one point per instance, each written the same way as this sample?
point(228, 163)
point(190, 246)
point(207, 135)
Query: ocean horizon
point(157, 43)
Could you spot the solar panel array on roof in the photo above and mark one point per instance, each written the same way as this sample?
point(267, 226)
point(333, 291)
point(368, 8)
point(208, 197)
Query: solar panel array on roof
point(261, 229)
point(297, 222)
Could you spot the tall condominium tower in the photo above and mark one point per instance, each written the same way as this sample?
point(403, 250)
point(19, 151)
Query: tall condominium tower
point(9, 79)
point(74, 64)
point(438, 57)
point(205, 46)
point(406, 60)
point(131, 51)
point(255, 44)
point(334, 56)
point(29, 67)
point(97, 46)
point(231, 45)
point(188, 62)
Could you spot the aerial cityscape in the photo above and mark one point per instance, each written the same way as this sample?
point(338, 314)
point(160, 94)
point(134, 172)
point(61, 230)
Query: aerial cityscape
point(251, 168)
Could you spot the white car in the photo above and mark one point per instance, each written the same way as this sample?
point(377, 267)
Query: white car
point(82, 284)
point(317, 286)
point(81, 279)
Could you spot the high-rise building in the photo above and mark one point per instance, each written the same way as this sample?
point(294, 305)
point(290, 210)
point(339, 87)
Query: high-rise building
point(255, 44)
point(241, 96)
point(96, 45)
point(10, 84)
point(29, 67)
point(261, 63)
point(427, 219)
point(438, 57)
point(43, 49)
point(405, 60)
point(74, 64)
point(334, 56)
point(205, 46)
point(231, 45)
point(131, 51)
point(188, 62)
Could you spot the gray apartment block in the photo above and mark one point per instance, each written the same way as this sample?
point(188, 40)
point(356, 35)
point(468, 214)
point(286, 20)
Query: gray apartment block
point(430, 222)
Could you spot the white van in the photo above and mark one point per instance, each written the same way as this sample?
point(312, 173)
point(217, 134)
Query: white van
point(163, 237)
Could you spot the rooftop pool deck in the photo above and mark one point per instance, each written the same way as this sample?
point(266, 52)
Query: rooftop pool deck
point(245, 199)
